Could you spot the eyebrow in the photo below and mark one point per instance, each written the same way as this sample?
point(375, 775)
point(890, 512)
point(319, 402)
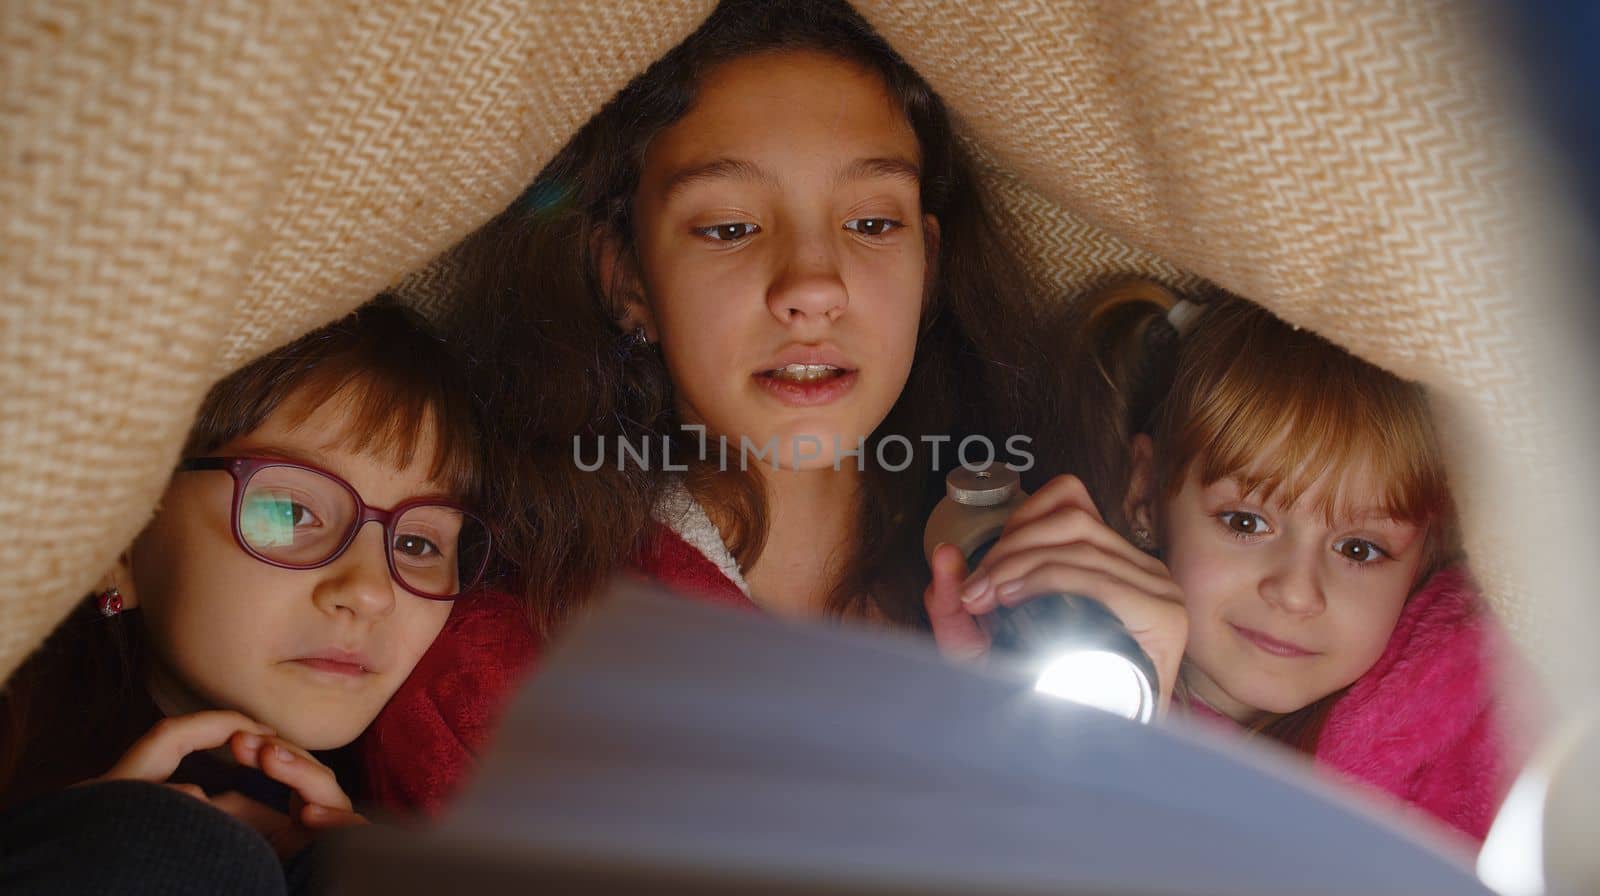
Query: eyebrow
point(717, 169)
point(441, 489)
point(742, 169)
point(893, 167)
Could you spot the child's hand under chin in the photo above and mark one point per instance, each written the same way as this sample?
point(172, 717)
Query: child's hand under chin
point(318, 802)
point(1056, 541)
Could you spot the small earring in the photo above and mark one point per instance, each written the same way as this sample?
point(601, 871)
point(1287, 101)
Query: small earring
point(631, 341)
point(1142, 539)
point(109, 601)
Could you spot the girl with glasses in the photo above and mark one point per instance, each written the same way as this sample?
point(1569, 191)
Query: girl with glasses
point(306, 552)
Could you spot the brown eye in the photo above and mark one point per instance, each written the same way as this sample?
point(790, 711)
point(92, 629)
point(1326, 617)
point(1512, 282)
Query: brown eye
point(1359, 550)
point(415, 546)
point(728, 233)
point(872, 226)
point(1243, 522)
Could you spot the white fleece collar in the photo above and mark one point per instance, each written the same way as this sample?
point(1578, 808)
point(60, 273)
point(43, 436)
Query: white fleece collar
point(680, 512)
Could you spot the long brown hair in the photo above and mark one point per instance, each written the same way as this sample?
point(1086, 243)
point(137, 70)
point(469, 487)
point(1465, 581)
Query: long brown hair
point(79, 700)
point(557, 367)
point(1240, 379)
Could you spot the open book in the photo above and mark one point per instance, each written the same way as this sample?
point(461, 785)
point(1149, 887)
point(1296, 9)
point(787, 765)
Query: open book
point(672, 747)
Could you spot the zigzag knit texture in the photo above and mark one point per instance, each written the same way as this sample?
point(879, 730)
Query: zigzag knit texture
point(185, 186)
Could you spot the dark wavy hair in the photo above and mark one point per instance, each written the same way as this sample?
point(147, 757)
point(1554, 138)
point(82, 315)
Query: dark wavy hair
point(557, 366)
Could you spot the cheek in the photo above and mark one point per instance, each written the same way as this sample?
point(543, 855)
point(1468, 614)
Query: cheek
point(206, 605)
point(887, 298)
point(1369, 619)
point(202, 621)
point(1205, 586)
point(703, 330)
point(1204, 572)
point(888, 284)
point(417, 624)
point(188, 578)
point(688, 286)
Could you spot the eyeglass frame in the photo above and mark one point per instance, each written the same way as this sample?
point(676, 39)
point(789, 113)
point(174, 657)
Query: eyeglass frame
point(242, 469)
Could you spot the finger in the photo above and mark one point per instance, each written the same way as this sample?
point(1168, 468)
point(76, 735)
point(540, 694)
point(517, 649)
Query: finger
point(324, 818)
point(1007, 576)
point(246, 748)
point(1059, 493)
point(1066, 525)
point(192, 790)
point(155, 756)
point(301, 772)
point(1142, 607)
point(955, 631)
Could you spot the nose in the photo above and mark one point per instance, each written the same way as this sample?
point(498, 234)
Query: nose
point(358, 582)
point(808, 287)
point(1293, 584)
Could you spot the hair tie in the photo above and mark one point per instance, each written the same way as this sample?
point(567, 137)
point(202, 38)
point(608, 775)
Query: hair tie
point(1182, 316)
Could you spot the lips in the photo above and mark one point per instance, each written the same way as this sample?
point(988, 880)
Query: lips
point(1271, 645)
point(806, 376)
point(349, 663)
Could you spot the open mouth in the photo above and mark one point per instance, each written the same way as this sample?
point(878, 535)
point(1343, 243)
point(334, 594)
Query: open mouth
point(806, 373)
point(807, 385)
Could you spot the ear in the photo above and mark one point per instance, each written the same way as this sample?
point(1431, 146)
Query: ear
point(618, 272)
point(120, 577)
point(930, 247)
point(1138, 504)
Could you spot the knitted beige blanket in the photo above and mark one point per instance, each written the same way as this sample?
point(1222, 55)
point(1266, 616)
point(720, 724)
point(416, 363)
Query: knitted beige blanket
point(184, 185)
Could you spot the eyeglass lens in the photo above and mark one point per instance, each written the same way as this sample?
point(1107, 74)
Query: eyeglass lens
point(300, 518)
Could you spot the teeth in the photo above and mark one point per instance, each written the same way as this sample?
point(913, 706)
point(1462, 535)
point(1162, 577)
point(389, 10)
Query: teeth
point(805, 373)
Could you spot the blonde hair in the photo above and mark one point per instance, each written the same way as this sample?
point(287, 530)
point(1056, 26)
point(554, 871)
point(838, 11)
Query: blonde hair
point(1280, 409)
point(1243, 394)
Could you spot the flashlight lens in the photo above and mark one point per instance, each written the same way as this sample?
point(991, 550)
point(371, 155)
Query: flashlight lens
point(1101, 679)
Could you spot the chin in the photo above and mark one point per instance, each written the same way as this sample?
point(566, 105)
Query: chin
point(326, 728)
point(813, 448)
point(1279, 704)
point(317, 735)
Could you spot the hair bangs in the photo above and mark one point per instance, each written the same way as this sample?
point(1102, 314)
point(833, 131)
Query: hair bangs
point(395, 415)
point(401, 385)
point(1281, 411)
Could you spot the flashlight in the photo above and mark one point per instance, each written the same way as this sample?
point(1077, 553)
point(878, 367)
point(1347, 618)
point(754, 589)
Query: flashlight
point(1070, 644)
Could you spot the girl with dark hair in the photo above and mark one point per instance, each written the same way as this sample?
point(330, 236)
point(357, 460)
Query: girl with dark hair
point(257, 618)
point(735, 333)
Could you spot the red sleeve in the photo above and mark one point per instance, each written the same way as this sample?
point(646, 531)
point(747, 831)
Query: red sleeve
point(424, 744)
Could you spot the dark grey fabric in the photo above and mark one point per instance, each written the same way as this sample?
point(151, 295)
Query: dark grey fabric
point(132, 837)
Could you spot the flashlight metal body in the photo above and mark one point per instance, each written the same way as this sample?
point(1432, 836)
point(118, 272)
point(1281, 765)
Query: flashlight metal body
point(1038, 631)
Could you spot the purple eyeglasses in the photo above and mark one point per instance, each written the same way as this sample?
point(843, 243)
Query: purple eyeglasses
point(295, 516)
